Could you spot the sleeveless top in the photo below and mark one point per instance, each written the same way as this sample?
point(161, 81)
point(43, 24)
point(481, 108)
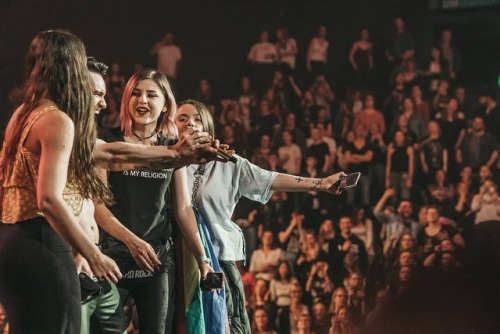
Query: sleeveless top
point(18, 184)
point(399, 161)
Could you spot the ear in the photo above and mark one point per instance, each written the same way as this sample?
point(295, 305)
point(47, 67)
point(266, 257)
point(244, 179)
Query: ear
point(164, 109)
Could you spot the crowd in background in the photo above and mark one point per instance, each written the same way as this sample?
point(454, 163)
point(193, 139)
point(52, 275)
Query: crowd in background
point(428, 156)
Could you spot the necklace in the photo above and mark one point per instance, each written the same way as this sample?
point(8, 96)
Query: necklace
point(142, 138)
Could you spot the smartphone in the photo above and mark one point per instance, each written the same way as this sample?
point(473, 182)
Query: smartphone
point(349, 181)
point(213, 281)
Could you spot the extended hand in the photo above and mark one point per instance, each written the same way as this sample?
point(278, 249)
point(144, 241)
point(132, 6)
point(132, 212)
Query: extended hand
point(143, 254)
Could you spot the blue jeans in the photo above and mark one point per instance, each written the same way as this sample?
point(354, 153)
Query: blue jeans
point(39, 286)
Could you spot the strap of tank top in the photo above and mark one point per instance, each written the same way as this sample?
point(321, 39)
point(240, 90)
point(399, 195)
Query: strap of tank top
point(32, 121)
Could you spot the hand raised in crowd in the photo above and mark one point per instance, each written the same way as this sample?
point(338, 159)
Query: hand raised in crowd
point(143, 254)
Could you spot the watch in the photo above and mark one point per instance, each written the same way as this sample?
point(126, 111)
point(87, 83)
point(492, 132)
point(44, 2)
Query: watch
point(203, 258)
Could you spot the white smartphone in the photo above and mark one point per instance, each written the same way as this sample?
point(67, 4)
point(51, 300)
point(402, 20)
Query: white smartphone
point(349, 181)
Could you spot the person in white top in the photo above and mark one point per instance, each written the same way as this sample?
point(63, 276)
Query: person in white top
point(287, 49)
point(317, 53)
point(220, 187)
point(262, 56)
point(168, 56)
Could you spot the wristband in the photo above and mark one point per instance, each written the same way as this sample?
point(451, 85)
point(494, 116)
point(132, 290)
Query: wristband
point(203, 258)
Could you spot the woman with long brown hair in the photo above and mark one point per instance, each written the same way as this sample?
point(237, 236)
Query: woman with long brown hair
point(46, 170)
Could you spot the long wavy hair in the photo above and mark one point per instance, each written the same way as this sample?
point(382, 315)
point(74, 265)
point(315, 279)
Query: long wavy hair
point(56, 69)
point(206, 117)
point(165, 126)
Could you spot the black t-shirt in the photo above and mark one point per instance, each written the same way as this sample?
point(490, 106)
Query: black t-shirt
point(141, 198)
point(362, 167)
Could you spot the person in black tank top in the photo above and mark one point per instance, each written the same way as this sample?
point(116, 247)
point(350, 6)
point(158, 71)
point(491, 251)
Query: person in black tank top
point(399, 168)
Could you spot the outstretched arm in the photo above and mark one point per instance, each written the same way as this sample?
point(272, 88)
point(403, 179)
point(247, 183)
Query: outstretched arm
point(287, 182)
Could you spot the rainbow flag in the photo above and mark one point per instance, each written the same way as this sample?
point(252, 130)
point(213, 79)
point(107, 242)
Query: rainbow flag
point(205, 312)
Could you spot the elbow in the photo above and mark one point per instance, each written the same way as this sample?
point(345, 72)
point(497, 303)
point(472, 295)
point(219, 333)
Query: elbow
point(47, 203)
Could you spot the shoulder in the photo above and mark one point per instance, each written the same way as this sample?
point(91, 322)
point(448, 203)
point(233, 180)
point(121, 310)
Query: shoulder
point(53, 124)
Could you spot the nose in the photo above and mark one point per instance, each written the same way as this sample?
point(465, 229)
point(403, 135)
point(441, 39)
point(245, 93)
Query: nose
point(102, 103)
point(143, 99)
point(190, 122)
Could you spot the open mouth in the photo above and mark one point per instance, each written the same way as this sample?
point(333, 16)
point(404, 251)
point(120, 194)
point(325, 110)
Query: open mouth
point(142, 111)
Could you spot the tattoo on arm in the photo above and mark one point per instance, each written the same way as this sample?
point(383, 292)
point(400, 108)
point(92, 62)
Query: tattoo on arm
point(317, 184)
point(298, 179)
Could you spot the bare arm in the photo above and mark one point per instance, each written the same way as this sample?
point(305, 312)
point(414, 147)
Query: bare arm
point(55, 132)
point(287, 182)
point(192, 147)
point(186, 219)
point(354, 48)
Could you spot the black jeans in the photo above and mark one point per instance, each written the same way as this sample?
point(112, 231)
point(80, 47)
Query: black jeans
point(235, 299)
point(154, 298)
point(39, 285)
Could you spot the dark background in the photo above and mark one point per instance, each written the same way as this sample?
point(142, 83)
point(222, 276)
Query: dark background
point(215, 35)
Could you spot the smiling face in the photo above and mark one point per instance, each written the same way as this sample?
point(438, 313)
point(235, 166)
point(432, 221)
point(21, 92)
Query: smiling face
point(146, 104)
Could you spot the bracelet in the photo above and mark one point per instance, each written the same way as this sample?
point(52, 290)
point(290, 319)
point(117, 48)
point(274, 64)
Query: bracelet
point(203, 258)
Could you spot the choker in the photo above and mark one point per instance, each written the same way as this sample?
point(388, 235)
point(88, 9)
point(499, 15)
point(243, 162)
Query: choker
point(142, 138)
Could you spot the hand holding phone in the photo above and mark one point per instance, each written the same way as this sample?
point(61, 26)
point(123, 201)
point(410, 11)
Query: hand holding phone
point(348, 181)
point(214, 280)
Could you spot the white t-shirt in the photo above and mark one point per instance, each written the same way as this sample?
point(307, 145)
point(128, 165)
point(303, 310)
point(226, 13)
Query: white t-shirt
point(263, 53)
point(221, 186)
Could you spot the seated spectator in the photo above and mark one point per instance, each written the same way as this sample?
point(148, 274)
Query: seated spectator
point(405, 243)
point(434, 232)
point(308, 254)
point(362, 227)
point(289, 238)
point(261, 323)
point(338, 301)
point(261, 154)
point(319, 286)
point(326, 234)
point(341, 324)
point(261, 299)
point(264, 260)
point(356, 306)
point(404, 277)
point(321, 319)
point(304, 325)
point(486, 203)
point(289, 317)
point(280, 285)
point(347, 253)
